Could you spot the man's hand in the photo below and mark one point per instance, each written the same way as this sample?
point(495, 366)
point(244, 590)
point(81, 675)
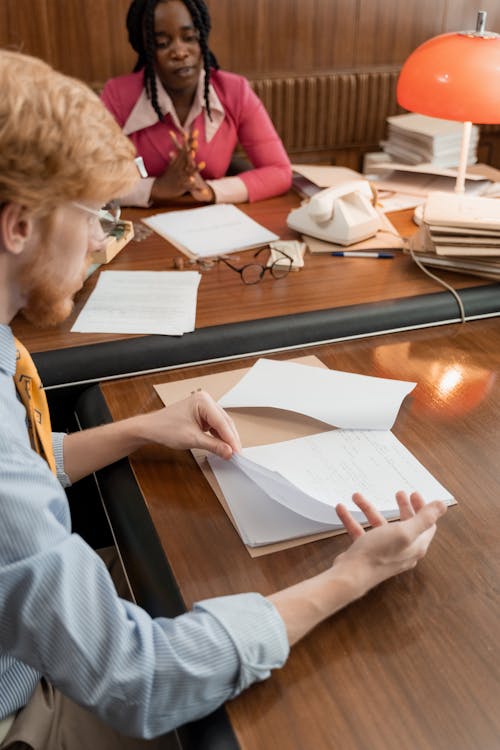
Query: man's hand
point(390, 548)
point(195, 422)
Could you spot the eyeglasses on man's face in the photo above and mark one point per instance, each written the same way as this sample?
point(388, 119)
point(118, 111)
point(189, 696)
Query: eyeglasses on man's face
point(104, 221)
point(252, 273)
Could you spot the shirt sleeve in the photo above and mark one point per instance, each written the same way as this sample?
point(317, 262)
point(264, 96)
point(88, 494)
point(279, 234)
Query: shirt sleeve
point(61, 616)
point(140, 195)
point(57, 446)
point(272, 172)
point(229, 190)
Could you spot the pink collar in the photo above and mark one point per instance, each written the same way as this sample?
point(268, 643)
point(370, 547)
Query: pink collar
point(143, 115)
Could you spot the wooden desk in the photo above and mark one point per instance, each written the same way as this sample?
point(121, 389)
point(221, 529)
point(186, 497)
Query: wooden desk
point(331, 298)
point(416, 663)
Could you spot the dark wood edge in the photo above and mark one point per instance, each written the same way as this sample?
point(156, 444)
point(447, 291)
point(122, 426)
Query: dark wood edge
point(94, 362)
point(150, 576)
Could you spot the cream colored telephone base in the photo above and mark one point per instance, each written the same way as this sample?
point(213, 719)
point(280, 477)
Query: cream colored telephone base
point(343, 214)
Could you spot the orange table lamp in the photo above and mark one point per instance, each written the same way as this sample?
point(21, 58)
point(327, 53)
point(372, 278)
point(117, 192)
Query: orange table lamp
point(455, 76)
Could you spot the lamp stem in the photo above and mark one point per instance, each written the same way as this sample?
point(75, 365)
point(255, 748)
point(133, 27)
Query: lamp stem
point(481, 21)
point(464, 153)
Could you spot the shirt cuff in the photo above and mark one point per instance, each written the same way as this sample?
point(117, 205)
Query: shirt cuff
point(57, 446)
point(257, 631)
point(229, 190)
point(140, 195)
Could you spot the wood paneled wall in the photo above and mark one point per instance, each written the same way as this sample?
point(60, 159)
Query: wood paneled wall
point(265, 40)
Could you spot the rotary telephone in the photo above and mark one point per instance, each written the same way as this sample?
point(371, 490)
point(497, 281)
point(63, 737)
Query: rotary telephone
point(343, 214)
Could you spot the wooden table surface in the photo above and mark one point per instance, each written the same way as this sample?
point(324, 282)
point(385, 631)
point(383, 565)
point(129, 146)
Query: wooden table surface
point(323, 283)
point(415, 664)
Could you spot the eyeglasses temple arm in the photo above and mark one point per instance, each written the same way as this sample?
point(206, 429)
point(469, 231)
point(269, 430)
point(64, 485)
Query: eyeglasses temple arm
point(238, 270)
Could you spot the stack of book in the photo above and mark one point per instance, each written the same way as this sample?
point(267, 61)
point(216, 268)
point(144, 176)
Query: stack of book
point(460, 233)
point(418, 139)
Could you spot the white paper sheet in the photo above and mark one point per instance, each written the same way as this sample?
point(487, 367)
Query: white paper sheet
point(418, 182)
point(259, 519)
point(304, 479)
point(327, 176)
point(391, 201)
point(162, 302)
point(210, 230)
point(342, 399)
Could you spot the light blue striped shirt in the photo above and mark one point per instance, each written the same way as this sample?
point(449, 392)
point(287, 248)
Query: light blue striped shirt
point(60, 615)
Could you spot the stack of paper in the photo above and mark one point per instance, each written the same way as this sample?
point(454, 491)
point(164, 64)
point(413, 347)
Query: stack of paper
point(283, 487)
point(210, 231)
point(291, 488)
point(417, 139)
point(460, 233)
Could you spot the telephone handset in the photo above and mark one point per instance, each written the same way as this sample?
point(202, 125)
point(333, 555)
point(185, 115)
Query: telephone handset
point(343, 214)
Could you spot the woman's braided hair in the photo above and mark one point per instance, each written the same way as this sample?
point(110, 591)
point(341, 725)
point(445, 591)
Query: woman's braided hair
point(140, 27)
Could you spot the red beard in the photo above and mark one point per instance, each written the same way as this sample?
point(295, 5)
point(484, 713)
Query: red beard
point(49, 298)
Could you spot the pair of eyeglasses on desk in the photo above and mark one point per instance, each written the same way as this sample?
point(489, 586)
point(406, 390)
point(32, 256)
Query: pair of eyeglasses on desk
point(250, 273)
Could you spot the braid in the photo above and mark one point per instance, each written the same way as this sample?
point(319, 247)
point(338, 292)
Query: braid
point(140, 27)
point(134, 28)
point(201, 20)
point(149, 69)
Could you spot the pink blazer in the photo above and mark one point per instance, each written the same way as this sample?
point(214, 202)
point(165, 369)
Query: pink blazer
point(242, 119)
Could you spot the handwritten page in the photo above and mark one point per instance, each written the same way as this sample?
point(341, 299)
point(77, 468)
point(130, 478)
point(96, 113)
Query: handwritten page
point(210, 230)
point(342, 399)
point(162, 302)
point(304, 479)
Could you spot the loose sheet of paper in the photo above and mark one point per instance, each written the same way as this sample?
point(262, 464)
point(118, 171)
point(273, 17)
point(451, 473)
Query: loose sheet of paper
point(210, 230)
point(392, 201)
point(162, 302)
point(418, 183)
point(327, 176)
point(342, 399)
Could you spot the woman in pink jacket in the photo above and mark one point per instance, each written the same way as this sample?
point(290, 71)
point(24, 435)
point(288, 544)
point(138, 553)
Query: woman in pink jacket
point(185, 116)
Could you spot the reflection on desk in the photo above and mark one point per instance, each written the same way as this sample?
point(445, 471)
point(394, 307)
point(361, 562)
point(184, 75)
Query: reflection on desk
point(414, 664)
point(456, 383)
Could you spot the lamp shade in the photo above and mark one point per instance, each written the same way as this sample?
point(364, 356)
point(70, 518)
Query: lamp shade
point(454, 76)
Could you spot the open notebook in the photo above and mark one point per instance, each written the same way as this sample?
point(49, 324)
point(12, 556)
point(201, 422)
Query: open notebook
point(295, 466)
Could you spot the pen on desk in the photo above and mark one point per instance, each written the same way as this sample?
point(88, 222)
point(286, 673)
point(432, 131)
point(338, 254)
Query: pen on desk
point(361, 254)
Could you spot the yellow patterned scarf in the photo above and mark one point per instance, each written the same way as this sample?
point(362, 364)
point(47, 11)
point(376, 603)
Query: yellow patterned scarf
point(30, 389)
